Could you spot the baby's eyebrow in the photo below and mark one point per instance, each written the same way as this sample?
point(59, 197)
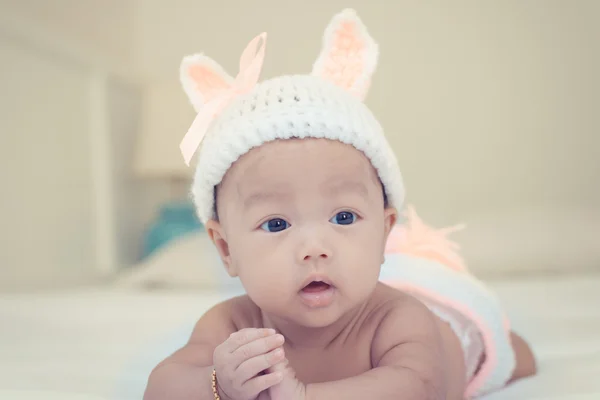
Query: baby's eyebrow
point(262, 197)
point(340, 185)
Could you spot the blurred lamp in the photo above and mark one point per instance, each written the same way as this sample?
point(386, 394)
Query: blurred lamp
point(166, 117)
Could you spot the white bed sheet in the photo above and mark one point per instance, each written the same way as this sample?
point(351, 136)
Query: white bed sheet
point(102, 343)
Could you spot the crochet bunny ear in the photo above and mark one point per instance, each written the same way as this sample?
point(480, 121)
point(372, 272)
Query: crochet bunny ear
point(203, 79)
point(349, 54)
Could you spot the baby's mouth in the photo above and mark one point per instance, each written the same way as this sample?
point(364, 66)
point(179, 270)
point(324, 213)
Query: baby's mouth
point(316, 293)
point(316, 287)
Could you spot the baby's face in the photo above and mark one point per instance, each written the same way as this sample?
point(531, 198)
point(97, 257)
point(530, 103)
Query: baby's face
point(303, 224)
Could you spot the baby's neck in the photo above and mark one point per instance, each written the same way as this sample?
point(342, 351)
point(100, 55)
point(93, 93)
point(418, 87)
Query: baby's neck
point(303, 337)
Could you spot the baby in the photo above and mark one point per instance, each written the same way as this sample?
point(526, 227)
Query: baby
point(300, 193)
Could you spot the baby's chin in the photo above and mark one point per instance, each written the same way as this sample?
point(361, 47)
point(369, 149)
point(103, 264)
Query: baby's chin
point(316, 320)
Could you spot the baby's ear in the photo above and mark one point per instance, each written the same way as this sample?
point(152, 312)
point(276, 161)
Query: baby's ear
point(202, 79)
point(217, 235)
point(349, 54)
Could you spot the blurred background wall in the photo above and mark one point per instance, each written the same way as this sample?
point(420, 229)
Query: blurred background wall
point(492, 108)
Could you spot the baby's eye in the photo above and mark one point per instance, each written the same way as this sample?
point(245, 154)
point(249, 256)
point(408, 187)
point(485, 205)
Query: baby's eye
point(344, 218)
point(275, 225)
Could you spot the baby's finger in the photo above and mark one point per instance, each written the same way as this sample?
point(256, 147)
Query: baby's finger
point(255, 365)
point(246, 335)
point(280, 366)
point(262, 382)
point(256, 348)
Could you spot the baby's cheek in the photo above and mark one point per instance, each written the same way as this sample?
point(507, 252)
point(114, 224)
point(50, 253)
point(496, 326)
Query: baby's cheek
point(362, 264)
point(269, 291)
point(265, 279)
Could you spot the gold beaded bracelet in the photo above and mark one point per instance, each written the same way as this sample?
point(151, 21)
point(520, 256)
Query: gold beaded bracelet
point(214, 385)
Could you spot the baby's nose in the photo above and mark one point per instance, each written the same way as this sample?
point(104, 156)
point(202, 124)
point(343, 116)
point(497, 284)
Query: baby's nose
point(315, 250)
point(316, 255)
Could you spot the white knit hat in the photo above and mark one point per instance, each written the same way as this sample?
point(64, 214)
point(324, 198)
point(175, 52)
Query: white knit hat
point(236, 115)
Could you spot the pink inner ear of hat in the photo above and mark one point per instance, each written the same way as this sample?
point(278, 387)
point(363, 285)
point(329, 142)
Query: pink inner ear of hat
point(347, 50)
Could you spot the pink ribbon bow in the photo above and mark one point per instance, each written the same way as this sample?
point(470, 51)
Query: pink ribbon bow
point(251, 63)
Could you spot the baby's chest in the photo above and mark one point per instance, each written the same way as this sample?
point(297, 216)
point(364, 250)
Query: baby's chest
point(346, 361)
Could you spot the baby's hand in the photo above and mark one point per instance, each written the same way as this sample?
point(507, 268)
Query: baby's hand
point(239, 360)
point(290, 387)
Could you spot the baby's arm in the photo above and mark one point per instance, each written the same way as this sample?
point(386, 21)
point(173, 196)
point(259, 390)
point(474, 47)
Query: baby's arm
point(409, 361)
point(186, 373)
point(237, 356)
point(525, 360)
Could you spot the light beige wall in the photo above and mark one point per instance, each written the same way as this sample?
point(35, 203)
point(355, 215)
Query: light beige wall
point(103, 27)
point(46, 213)
point(68, 124)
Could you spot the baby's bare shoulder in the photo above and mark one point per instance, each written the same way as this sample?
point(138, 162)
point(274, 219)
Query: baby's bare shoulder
point(398, 319)
point(389, 302)
point(225, 318)
point(410, 336)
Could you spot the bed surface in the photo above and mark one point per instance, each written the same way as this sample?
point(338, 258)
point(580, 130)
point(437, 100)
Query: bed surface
point(101, 343)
